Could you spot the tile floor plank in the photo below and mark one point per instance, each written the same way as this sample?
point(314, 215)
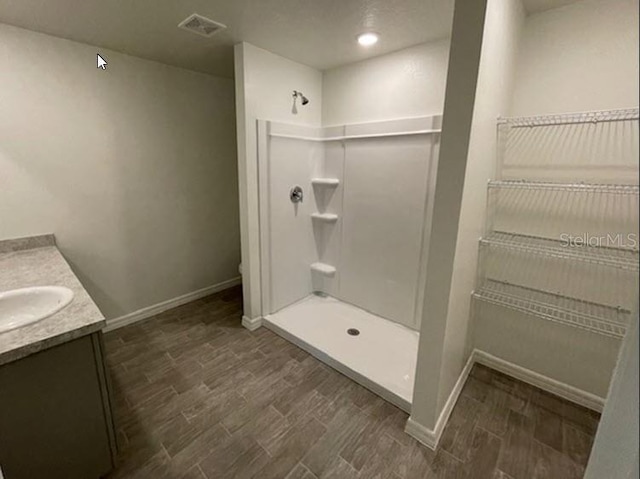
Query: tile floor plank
point(197, 396)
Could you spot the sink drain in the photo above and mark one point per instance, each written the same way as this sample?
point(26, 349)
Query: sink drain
point(353, 332)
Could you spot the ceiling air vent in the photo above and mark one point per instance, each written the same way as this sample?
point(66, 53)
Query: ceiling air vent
point(201, 25)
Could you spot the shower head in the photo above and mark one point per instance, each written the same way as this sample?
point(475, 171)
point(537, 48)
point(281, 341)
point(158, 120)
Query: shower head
point(299, 94)
point(303, 99)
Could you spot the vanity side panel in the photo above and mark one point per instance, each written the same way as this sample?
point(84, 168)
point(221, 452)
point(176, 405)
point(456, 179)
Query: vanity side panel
point(52, 419)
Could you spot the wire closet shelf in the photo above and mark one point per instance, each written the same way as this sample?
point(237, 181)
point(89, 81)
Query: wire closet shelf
point(528, 234)
point(622, 258)
point(627, 114)
point(581, 187)
point(594, 317)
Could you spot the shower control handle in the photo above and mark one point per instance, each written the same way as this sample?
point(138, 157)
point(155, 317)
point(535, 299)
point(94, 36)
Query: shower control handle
point(296, 194)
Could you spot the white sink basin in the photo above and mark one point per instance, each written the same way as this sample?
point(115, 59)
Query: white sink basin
point(20, 307)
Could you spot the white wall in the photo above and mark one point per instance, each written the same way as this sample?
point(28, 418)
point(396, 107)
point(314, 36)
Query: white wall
point(387, 182)
point(583, 56)
point(404, 84)
point(462, 78)
point(132, 168)
point(290, 230)
point(264, 85)
point(408, 83)
point(290, 239)
point(503, 24)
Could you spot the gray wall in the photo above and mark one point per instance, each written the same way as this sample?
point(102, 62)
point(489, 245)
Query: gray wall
point(133, 168)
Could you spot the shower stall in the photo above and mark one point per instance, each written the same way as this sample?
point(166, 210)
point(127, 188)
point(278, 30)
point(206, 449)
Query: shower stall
point(344, 222)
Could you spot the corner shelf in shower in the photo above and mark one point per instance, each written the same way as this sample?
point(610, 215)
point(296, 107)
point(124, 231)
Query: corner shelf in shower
point(594, 317)
point(325, 217)
point(324, 269)
point(325, 181)
point(622, 258)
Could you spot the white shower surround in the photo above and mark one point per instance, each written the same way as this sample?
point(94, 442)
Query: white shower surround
point(382, 172)
point(359, 237)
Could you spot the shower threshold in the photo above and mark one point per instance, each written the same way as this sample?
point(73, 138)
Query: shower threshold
point(375, 352)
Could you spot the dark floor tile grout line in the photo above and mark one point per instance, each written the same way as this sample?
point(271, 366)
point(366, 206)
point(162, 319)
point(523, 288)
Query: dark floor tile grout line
point(489, 432)
point(166, 453)
point(225, 429)
point(271, 406)
point(444, 451)
point(394, 439)
point(547, 446)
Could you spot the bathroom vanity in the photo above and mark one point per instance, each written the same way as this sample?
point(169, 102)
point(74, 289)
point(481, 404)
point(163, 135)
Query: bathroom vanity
point(55, 406)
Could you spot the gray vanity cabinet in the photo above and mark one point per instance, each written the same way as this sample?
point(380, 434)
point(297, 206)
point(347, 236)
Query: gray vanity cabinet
point(55, 413)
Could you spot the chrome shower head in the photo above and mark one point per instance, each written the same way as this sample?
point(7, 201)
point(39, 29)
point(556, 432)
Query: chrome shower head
point(299, 94)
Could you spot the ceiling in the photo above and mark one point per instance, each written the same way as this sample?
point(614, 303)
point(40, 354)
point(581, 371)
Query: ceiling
point(318, 33)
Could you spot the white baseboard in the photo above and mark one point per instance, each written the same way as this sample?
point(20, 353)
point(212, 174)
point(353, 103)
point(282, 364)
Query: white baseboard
point(251, 324)
point(431, 437)
point(421, 434)
point(570, 393)
point(452, 399)
point(158, 308)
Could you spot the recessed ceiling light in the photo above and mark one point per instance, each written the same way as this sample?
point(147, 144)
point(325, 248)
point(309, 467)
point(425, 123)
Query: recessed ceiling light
point(368, 39)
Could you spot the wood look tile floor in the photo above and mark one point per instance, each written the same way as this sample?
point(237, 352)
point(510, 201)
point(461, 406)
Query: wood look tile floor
point(198, 396)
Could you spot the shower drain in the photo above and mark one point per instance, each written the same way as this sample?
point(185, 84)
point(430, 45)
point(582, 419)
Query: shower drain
point(353, 331)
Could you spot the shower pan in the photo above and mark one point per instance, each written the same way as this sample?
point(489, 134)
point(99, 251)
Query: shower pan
point(343, 232)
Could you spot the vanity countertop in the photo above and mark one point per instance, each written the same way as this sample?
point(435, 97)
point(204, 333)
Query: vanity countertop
point(38, 262)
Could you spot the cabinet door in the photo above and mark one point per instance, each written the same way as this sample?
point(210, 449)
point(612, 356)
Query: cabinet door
point(52, 416)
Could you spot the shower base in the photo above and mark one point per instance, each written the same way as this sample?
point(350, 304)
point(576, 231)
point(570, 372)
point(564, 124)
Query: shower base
point(376, 353)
